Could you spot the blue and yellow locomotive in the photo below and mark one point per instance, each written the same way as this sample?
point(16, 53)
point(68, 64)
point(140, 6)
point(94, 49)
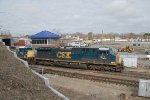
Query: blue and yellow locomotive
point(93, 58)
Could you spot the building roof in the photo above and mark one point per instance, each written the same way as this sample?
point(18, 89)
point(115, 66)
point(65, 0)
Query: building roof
point(45, 35)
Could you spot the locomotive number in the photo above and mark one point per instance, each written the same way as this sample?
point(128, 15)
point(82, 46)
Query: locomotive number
point(63, 54)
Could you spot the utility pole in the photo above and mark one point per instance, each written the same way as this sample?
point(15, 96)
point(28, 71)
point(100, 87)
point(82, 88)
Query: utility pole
point(102, 37)
point(1, 29)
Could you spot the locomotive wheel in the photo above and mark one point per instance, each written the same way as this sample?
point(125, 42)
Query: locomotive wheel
point(88, 67)
point(102, 69)
point(113, 69)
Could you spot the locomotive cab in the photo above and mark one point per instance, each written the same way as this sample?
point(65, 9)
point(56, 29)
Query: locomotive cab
point(106, 55)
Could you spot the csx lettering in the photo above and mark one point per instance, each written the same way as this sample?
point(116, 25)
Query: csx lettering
point(63, 54)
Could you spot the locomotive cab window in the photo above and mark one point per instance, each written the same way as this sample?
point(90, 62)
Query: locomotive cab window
point(107, 52)
point(104, 52)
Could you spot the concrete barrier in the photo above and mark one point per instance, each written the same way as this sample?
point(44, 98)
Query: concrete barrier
point(144, 88)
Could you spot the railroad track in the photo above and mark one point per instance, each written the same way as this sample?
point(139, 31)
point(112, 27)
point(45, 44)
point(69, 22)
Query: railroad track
point(118, 81)
point(128, 74)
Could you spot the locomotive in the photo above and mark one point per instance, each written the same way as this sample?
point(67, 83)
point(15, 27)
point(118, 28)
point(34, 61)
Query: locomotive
point(90, 58)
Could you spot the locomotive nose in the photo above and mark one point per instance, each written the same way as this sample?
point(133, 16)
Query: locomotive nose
point(119, 59)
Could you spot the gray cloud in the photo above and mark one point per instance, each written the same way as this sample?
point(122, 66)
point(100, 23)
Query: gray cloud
point(30, 16)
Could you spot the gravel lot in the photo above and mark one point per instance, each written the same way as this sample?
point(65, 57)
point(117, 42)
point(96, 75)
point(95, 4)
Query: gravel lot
point(77, 89)
point(144, 63)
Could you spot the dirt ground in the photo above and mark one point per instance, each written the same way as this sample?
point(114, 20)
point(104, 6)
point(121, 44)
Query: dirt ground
point(77, 89)
point(17, 82)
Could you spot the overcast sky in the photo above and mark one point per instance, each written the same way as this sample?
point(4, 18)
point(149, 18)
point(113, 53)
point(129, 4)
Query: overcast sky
point(67, 16)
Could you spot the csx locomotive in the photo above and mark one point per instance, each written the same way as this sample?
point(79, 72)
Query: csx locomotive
point(90, 58)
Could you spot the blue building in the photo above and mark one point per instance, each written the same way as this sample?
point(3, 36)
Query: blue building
point(45, 39)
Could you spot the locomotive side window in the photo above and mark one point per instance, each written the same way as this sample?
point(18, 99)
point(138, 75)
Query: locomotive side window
point(87, 50)
point(75, 49)
point(83, 50)
point(93, 50)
